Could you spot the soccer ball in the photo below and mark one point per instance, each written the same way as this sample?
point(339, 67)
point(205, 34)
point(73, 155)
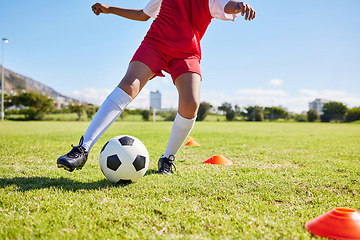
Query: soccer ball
point(124, 159)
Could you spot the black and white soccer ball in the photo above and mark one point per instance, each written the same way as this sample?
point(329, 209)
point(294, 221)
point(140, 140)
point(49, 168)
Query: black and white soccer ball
point(124, 159)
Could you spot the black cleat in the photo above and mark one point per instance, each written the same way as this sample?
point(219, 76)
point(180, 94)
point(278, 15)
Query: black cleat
point(75, 159)
point(165, 165)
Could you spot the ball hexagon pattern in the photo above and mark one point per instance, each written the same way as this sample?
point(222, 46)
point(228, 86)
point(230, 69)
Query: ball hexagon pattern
point(139, 162)
point(124, 159)
point(126, 141)
point(113, 162)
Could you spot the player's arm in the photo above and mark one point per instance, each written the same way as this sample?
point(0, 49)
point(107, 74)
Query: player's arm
point(233, 7)
point(133, 14)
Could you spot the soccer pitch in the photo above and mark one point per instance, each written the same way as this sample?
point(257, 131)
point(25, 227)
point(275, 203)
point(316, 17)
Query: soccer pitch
point(284, 174)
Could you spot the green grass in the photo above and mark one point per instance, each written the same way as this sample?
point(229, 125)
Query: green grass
point(284, 174)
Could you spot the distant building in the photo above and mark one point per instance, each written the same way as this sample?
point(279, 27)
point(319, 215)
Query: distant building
point(60, 101)
point(317, 105)
point(155, 100)
point(226, 104)
point(283, 108)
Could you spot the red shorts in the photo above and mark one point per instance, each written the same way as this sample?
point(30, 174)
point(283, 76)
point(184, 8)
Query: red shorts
point(158, 61)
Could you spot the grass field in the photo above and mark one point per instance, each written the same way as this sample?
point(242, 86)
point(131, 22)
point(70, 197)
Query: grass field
point(284, 174)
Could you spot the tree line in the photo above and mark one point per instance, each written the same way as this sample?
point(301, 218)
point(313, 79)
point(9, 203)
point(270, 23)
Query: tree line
point(34, 105)
point(331, 112)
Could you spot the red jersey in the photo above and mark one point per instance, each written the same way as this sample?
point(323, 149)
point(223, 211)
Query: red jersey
point(179, 27)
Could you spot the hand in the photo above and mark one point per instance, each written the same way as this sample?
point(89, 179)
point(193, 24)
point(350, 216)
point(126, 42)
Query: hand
point(246, 10)
point(100, 8)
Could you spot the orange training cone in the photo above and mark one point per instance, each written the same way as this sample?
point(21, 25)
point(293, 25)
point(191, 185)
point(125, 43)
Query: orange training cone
point(189, 138)
point(218, 159)
point(192, 143)
point(339, 223)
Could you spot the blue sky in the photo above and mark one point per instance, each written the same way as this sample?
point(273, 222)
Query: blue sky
point(292, 53)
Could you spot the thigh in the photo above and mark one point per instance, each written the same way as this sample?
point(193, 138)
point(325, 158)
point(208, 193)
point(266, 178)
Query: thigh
point(154, 59)
point(188, 86)
point(137, 75)
point(178, 66)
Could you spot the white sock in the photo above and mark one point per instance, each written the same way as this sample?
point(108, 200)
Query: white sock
point(179, 132)
point(108, 112)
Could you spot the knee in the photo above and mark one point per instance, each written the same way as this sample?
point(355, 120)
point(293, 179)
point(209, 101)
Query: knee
point(189, 108)
point(195, 105)
point(131, 88)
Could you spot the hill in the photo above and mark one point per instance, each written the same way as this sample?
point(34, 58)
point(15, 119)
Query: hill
point(15, 81)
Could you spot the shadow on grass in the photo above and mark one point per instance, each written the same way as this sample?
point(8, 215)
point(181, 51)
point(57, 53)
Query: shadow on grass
point(32, 183)
point(150, 172)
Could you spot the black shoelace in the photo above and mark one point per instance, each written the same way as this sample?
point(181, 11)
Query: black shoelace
point(76, 151)
point(168, 164)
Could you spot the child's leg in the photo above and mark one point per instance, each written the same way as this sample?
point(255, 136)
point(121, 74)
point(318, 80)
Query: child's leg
point(188, 86)
point(108, 112)
point(135, 79)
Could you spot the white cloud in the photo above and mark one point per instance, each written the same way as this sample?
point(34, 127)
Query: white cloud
point(243, 98)
point(333, 93)
point(326, 93)
point(276, 82)
point(169, 99)
point(142, 101)
point(159, 82)
point(309, 92)
point(90, 95)
point(349, 99)
point(292, 104)
point(261, 92)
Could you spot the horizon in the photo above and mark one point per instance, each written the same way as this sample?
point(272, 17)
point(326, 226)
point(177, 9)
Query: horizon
point(287, 56)
point(145, 100)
